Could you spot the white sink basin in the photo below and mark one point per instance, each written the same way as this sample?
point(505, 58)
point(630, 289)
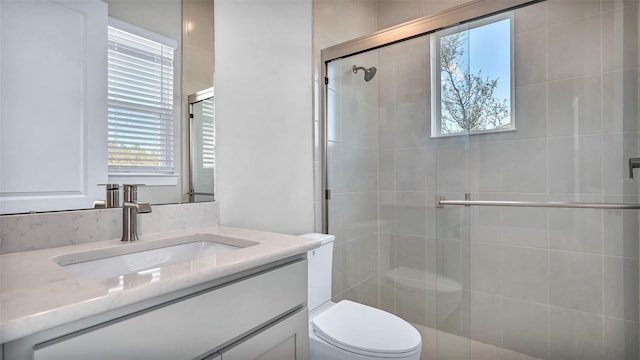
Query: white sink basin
point(103, 265)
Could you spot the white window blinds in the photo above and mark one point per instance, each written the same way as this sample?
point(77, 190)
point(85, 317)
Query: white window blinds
point(140, 115)
point(208, 135)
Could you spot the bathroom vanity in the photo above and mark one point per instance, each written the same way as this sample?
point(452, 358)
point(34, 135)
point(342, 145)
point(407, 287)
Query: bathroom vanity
point(246, 303)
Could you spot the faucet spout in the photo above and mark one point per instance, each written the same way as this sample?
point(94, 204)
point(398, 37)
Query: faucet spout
point(130, 210)
point(139, 207)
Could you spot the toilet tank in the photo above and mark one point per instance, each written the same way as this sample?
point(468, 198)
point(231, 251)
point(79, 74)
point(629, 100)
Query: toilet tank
point(319, 274)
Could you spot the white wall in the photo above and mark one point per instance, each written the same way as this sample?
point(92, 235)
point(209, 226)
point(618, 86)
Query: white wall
point(264, 114)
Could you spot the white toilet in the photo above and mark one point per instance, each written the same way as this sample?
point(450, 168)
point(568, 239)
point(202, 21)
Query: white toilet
point(349, 330)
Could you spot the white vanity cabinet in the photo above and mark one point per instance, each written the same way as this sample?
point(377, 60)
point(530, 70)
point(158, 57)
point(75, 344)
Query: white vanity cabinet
point(260, 315)
point(287, 339)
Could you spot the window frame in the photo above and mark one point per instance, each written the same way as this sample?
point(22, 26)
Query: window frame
point(435, 72)
point(151, 177)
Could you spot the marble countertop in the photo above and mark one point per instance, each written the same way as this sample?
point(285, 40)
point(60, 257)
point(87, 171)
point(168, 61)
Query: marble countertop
point(37, 294)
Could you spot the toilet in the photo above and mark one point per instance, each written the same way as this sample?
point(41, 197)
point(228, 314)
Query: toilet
point(348, 330)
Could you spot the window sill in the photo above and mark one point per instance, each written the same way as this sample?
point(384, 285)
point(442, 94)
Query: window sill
point(481, 132)
point(146, 179)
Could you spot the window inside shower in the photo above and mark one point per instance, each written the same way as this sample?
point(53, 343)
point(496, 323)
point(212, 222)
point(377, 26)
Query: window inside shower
point(472, 82)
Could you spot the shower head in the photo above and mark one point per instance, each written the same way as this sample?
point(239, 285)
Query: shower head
point(368, 73)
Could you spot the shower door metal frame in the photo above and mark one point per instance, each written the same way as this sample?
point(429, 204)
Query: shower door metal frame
point(411, 29)
point(191, 100)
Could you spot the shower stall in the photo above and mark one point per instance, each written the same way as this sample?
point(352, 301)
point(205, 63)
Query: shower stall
point(478, 173)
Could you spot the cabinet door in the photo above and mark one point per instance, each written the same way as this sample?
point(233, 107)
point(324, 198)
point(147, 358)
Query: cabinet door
point(286, 340)
point(53, 104)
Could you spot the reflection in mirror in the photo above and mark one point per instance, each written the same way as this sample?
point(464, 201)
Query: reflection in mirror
point(202, 146)
point(54, 155)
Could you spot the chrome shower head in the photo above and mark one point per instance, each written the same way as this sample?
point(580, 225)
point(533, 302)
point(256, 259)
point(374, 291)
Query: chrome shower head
point(368, 73)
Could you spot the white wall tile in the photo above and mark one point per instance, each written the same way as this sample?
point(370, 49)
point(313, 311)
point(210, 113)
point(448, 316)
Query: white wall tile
point(576, 229)
point(452, 260)
point(574, 46)
point(486, 223)
point(525, 327)
point(575, 106)
point(524, 177)
point(531, 112)
point(411, 129)
point(617, 149)
point(412, 72)
point(620, 99)
point(387, 126)
point(386, 253)
point(486, 268)
point(620, 340)
point(614, 4)
point(621, 229)
point(575, 165)
point(386, 211)
point(620, 39)
point(451, 221)
point(334, 126)
point(525, 273)
point(621, 288)
point(575, 281)
point(486, 318)
point(412, 167)
point(531, 56)
point(574, 335)
point(411, 211)
point(411, 252)
point(452, 167)
point(531, 17)
point(525, 226)
point(386, 170)
point(485, 166)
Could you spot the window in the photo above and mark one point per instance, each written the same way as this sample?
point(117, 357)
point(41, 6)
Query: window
point(472, 78)
point(140, 102)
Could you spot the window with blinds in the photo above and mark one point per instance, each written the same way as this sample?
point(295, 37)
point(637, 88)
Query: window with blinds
point(140, 104)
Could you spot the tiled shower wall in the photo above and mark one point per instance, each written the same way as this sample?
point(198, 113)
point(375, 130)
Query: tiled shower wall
point(552, 283)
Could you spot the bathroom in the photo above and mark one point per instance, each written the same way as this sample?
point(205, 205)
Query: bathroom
point(545, 283)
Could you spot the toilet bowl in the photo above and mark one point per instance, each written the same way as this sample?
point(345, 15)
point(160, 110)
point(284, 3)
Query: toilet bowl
point(348, 330)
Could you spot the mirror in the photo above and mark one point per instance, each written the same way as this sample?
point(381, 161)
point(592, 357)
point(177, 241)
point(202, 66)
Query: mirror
point(188, 22)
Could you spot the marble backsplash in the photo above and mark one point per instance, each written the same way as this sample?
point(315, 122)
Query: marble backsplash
point(26, 232)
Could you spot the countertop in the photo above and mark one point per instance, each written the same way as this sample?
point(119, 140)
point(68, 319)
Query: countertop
point(37, 294)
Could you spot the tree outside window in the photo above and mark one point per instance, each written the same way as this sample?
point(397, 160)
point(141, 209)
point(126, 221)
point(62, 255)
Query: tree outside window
point(474, 82)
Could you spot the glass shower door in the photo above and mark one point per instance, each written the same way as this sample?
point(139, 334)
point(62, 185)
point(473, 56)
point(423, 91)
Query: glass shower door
point(539, 280)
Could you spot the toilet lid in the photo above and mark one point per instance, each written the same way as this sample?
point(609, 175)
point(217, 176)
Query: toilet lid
point(366, 330)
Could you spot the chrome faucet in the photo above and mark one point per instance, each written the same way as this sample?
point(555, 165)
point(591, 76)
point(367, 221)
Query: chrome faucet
point(130, 210)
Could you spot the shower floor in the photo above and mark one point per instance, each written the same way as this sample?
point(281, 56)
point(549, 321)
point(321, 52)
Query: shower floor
point(453, 347)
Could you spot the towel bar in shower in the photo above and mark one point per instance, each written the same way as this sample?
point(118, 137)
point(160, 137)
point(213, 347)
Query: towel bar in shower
point(442, 202)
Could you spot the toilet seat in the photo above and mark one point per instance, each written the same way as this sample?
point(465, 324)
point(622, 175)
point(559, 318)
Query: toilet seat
point(366, 331)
